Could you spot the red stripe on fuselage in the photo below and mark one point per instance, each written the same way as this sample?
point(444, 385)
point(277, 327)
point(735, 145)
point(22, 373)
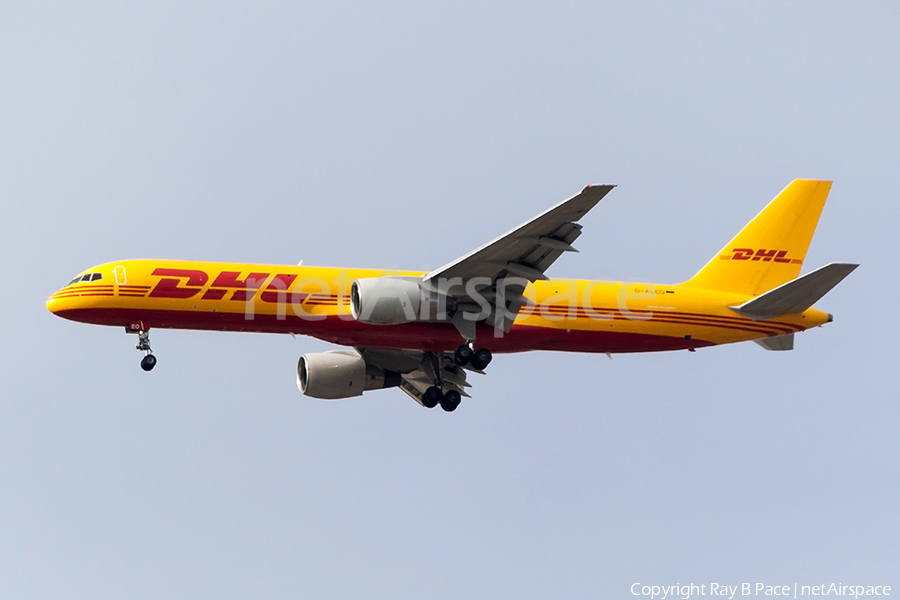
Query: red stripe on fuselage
point(413, 336)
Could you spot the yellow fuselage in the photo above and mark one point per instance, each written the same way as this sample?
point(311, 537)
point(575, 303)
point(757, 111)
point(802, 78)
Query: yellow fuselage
point(564, 314)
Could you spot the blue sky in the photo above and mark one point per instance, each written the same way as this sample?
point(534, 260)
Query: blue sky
point(403, 135)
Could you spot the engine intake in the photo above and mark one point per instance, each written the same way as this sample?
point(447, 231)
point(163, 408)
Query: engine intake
point(340, 374)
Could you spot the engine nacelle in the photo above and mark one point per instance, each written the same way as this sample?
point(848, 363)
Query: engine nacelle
point(396, 300)
point(340, 374)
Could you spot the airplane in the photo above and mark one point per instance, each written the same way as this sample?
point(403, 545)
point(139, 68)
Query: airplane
point(425, 332)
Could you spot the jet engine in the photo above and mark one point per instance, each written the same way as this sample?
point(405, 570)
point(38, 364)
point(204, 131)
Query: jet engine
point(395, 300)
point(340, 374)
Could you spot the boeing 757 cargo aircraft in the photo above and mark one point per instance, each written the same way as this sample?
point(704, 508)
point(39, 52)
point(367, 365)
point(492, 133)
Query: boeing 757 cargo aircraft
point(425, 332)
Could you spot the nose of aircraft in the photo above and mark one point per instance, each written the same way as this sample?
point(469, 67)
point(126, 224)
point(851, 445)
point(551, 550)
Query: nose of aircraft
point(64, 301)
point(79, 299)
point(52, 305)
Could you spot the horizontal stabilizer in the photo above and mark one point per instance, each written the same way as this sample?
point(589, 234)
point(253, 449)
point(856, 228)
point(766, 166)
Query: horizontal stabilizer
point(797, 295)
point(777, 342)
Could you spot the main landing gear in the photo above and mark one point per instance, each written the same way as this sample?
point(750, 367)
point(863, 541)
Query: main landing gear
point(433, 396)
point(477, 359)
point(149, 361)
point(433, 362)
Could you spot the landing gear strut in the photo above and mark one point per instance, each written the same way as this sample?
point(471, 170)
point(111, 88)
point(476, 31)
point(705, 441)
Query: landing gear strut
point(149, 361)
point(433, 362)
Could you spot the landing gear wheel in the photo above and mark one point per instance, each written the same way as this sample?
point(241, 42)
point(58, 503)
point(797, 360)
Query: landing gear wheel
point(451, 400)
point(463, 355)
point(432, 397)
point(148, 362)
point(481, 359)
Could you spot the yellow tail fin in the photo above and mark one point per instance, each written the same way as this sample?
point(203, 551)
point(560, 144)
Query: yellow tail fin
point(770, 250)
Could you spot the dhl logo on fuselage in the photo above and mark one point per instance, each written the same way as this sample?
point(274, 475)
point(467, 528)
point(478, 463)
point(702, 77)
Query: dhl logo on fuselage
point(779, 256)
point(187, 283)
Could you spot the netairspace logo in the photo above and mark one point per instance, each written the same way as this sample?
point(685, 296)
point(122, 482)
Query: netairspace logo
point(758, 589)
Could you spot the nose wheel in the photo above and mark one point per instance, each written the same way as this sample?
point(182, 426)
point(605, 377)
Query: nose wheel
point(149, 361)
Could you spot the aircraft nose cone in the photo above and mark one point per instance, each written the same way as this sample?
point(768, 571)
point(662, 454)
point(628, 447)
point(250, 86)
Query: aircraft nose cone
point(52, 304)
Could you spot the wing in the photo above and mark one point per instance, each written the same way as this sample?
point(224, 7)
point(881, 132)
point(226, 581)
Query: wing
point(519, 256)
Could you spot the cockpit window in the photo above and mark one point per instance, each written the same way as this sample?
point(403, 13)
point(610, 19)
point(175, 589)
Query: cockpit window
point(86, 277)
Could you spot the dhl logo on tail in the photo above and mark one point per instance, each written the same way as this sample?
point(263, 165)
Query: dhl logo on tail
point(779, 256)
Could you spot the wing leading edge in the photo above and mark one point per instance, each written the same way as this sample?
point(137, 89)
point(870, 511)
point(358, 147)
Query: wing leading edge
point(529, 249)
point(522, 254)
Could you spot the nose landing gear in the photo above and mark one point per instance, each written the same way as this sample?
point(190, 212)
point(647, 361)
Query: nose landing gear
point(149, 361)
